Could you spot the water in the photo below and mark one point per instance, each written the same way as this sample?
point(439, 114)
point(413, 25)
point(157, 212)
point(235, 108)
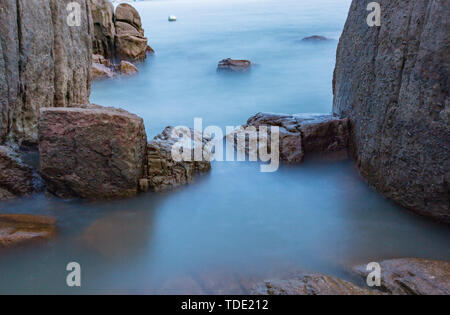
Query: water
point(235, 225)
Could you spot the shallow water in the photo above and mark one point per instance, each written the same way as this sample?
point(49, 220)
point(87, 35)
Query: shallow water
point(235, 225)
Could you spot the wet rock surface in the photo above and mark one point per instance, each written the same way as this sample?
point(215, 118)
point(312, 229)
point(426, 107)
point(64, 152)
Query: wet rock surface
point(17, 229)
point(301, 134)
point(16, 178)
point(165, 173)
point(315, 38)
point(313, 284)
point(35, 43)
point(412, 276)
point(232, 65)
point(392, 82)
point(92, 152)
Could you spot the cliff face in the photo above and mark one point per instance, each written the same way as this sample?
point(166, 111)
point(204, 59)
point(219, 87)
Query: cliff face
point(44, 62)
point(392, 82)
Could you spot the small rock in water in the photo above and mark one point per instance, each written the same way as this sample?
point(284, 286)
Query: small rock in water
point(233, 65)
point(315, 38)
point(127, 68)
point(172, 18)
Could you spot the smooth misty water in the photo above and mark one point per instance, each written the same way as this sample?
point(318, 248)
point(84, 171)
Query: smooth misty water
point(235, 225)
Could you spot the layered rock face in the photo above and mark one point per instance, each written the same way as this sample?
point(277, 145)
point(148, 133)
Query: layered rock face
point(118, 35)
point(44, 62)
point(163, 172)
point(91, 152)
point(303, 133)
point(392, 82)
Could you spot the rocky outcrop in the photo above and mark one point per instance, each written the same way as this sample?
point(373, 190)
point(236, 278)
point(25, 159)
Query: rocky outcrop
point(17, 229)
point(118, 35)
point(412, 276)
point(104, 28)
point(392, 82)
point(314, 284)
point(16, 178)
point(127, 68)
point(163, 171)
point(91, 152)
point(44, 62)
point(301, 134)
point(232, 65)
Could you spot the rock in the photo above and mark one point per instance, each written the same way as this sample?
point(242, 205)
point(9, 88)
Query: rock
point(16, 229)
point(232, 65)
point(314, 284)
point(16, 178)
point(315, 38)
point(38, 43)
point(412, 276)
point(304, 133)
point(92, 152)
point(163, 172)
point(150, 50)
point(101, 60)
point(100, 71)
point(128, 14)
point(104, 28)
point(127, 68)
point(131, 45)
point(392, 83)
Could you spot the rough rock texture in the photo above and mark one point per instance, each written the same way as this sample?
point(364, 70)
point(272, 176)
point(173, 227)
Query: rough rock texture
point(100, 71)
point(392, 82)
point(305, 133)
point(315, 284)
point(92, 152)
point(163, 172)
point(127, 68)
point(232, 65)
point(130, 42)
point(16, 178)
point(43, 62)
point(104, 28)
point(413, 276)
point(16, 229)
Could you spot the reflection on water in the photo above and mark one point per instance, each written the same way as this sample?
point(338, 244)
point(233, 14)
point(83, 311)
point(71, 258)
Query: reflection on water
point(235, 225)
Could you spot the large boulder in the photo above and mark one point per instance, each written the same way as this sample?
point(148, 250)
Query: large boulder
point(301, 134)
point(16, 178)
point(17, 229)
point(163, 171)
point(91, 152)
point(392, 82)
point(43, 63)
point(130, 42)
point(314, 284)
point(104, 28)
point(412, 276)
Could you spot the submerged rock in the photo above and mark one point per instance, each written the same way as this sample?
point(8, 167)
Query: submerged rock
point(412, 276)
point(315, 38)
point(232, 65)
point(92, 152)
point(314, 284)
point(16, 178)
point(392, 83)
point(16, 229)
point(163, 172)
